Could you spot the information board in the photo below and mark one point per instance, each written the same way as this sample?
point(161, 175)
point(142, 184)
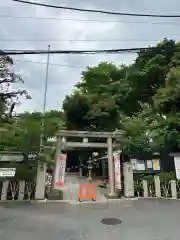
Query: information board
point(156, 164)
point(7, 172)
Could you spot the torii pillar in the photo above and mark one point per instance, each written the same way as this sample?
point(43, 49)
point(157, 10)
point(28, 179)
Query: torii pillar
point(111, 189)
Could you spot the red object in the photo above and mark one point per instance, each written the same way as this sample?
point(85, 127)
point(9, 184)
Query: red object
point(62, 157)
point(60, 184)
point(89, 193)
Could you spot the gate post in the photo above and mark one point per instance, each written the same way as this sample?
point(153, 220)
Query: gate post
point(56, 163)
point(128, 180)
point(40, 181)
point(111, 189)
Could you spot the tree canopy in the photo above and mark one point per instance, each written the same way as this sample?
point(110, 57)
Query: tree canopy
point(142, 99)
point(9, 97)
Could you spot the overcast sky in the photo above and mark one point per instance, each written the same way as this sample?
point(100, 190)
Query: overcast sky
point(24, 26)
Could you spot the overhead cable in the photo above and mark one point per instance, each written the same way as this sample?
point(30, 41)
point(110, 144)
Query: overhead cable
point(79, 40)
point(87, 20)
point(101, 51)
point(51, 64)
point(98, 11)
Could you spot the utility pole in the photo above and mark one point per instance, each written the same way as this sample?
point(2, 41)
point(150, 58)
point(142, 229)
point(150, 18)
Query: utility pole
point(44, 102)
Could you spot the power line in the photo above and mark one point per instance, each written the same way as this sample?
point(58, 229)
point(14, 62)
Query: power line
point(102, 51)
point(38, 52)
point(98, 11)
point(78, 40)
point(51, 64)
point(87, 20)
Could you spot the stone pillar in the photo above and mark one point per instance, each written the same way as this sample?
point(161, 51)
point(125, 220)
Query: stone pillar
point(173, 189)
point(41, 181)
point(56, 163)
point(157, 186)
point(21, 190)
point(128, 180)
point(111, 168)
point(4, 190)
point(145, 188)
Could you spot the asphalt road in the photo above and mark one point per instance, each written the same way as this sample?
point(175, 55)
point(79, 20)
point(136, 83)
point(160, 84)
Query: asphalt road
point(142, 219)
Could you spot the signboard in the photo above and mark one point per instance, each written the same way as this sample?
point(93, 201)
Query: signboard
point(134, 164)
point(11, 158)
point(156, 164)
point(177, 166)
point(60, 171)
point(117, 170)
point(7, 172)
point(141, 165)
point(149, 164)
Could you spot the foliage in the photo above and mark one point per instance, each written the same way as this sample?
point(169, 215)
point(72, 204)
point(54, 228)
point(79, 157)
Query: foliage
point(24, 131)
point(141, 99)
point(9, 95)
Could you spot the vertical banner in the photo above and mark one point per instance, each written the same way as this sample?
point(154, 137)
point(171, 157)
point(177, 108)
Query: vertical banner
point(177, 166)
point(60, 171)
point(117, 171)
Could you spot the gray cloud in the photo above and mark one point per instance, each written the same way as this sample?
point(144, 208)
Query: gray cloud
point(63, 78)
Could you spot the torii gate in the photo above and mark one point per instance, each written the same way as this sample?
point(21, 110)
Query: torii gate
point(62, 144)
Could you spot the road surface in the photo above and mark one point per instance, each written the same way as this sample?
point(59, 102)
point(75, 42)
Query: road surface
point(142, 220)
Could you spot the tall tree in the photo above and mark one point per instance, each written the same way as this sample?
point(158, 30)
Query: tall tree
point(142, 98)
point(9, 97)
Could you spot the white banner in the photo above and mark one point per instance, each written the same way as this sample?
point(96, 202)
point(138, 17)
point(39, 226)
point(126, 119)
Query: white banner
point(60, 171)
point(117, 171)
point(177, 166)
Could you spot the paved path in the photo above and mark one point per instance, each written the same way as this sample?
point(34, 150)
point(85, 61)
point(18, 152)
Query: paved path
point(71, 188)
point(142, 220)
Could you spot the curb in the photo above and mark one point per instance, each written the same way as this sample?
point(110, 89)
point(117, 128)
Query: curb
point(74, 202)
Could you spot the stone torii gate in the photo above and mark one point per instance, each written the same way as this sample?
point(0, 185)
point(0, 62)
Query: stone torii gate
point(62, 144)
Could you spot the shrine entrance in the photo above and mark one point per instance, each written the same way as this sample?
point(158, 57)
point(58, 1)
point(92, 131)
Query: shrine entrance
point(63, 143)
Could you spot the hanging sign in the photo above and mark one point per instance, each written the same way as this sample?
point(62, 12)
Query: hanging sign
point(177, 166)
point(60, 171)
point(117, 171)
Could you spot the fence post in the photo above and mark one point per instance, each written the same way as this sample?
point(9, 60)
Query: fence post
point(40, 181)
point(173, 189)
point(4, 190)
point(128, 180)
point(157, 186)
point(145, 188)
point(21, 190)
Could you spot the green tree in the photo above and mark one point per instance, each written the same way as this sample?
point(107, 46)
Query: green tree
point(8, 97)
point(142, 99)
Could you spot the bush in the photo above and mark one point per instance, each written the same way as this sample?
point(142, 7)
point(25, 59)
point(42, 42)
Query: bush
point(166, 176)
